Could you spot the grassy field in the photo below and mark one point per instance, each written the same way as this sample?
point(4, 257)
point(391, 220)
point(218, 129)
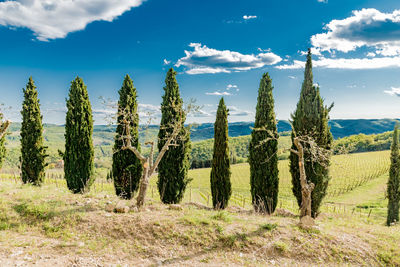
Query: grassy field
point(351, 176)
point(49, 226)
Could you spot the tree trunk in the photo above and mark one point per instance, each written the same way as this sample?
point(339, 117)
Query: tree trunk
point(143, 185)
point(306, 188)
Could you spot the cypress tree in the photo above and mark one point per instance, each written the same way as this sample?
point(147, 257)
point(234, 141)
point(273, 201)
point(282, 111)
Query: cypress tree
point(33, 152)
point(127, 168)
point(220, 178)
point(311, 119)
point(174, 166)
point(393, 188)
point(263, 158)
point(79, 153)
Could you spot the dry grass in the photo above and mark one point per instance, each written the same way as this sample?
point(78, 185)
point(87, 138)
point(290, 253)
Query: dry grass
point(49, 226)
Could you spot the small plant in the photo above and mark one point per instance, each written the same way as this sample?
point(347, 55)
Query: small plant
point(269, 226)
point(281, 246)
point(221, 216)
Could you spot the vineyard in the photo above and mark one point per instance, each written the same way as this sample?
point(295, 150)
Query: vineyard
point(349, 173)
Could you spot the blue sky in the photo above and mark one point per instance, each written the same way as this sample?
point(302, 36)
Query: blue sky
point(218, 48)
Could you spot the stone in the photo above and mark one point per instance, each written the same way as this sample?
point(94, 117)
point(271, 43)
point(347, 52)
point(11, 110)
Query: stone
point(121, 208)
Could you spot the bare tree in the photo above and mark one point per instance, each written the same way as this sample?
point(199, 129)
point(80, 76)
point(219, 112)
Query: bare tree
point(149, 164)
point(306, 143)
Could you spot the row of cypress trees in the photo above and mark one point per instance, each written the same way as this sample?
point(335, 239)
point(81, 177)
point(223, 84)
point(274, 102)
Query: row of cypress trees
point(309, 119)
point(79, 153)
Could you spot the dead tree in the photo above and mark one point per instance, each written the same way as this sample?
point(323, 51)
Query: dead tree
point(306, 187)
point(317, 155)
point(149, 164)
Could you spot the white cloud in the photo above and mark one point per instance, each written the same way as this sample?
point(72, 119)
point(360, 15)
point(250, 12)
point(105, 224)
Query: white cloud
point(207, 60)
point(166, 62)
point(217, 93)
point(52, 19)
point(323, 1)
point(348, 63)
point(292, 77)
point(247, 17)
point(371, 54)
point(365, 28)
point(149, 110)
point(393, 92)
point(235, 111)
point(233, 87)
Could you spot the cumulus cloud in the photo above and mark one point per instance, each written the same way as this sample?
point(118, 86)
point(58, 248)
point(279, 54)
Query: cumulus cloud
point(365, 28)
point(247, 17)
point(217, 93)
point(348, 63)
point(235, 111)
point(232, 87)
point(207, 60)
point(393, 92)
point(149, 110)
point(52, 19)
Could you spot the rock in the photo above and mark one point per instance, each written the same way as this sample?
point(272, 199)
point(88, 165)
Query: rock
point(109, 207)
point(121, 208)
point(175, 207)
point(307, 222)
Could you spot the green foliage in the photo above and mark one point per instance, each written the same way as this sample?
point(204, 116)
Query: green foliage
point(363, 143)
point(174, 166)
point(79, 153)
point(220, 179)
point(127, 168)
point(393, 188)
point(33, 152)
point(311, 119)
point(263, 150)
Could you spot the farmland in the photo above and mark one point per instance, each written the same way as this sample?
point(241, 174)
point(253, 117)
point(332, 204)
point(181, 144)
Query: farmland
point(349, 173)
point(49, 225)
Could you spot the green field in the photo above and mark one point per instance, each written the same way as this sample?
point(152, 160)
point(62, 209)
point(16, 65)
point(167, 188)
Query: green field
point(351, 176)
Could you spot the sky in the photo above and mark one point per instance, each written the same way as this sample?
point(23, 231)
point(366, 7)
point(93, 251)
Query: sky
point(218, 48)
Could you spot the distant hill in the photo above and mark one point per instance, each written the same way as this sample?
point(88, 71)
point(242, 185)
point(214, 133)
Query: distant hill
point(103, 139)
point(339, 128)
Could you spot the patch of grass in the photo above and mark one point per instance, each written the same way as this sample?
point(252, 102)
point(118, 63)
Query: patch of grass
point(281, 246)
point(222, 216)
point(34, 213)
point(269, 226)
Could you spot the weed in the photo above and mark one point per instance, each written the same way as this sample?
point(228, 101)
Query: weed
point(281, 246)
point(269, 226)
